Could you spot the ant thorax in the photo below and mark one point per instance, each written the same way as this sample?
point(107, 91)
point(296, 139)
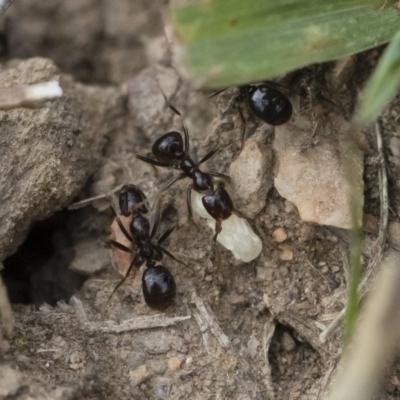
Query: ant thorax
point(236, 235)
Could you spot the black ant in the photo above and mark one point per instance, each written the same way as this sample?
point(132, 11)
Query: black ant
point(267, 103)
point(158, 284)
point(170, 151)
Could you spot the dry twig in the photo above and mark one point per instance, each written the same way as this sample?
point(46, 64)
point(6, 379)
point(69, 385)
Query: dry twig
point(135, 324)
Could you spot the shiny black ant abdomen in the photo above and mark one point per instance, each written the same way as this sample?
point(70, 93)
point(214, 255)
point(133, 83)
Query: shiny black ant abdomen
point(158, 284)
point(269, 104)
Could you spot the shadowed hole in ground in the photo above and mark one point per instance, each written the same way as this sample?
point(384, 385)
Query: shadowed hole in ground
point(38, 272)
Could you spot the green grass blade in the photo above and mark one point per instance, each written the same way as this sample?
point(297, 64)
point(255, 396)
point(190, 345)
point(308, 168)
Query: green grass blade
point(229, 42)
point(384, 83)
point(355, 272)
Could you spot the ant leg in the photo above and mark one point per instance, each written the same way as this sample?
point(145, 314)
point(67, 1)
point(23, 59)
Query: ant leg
point(151, 161)
point(120, 224)
point(178, 178)
point(172, 257)
point(185, 129)
point(217, 257)
point(218, 228)
point(155, 219)
point(217, 262)
point(166, 235)
point(136, 262)
point(83, 203)
point(118, 245)
point(234, 99)
point(218, 175)
point(208, 156)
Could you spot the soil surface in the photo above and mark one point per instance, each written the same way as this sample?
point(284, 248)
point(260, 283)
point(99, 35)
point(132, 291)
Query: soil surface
point(239, 331)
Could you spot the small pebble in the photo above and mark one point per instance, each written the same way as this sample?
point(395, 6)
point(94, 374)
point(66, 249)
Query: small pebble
point(285, 252)
point(307, 232)
point(394, 145)
point(325, 269)
point(370, 223)
point(262, 273)
point(174, 364)
point(157, 366)
point(237, 299)
point(138, 375)
point(290, 207)
point(188, 361)
point(252, 346)
point(279, 235)
point(283, 271)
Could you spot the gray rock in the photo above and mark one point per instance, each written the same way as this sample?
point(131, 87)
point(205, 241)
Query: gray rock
point(252, 177)
point(48, 154)
point(315, 179)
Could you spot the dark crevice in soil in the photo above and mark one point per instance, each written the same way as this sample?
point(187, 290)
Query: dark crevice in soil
point(38, 272)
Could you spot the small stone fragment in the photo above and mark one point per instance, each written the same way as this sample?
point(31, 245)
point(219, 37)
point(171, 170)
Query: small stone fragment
point(288, 343)
point(290, 207)
point(394, 232)
point(10, 382)
point(174, 364)
point(157, 366)
point(252, 346)
point(237, 299)
point(314, 175)
point(138, 375)
point(251, 175)
point(370, 223)
point(325, 269)
point(279, 235)
point(229, 362)
point(307, 233)
point(285, 252)
point(394, 145)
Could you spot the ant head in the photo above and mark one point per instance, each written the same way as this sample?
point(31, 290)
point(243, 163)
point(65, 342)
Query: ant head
point(159, 287)
point(218, 204)
point(129, 196)
point(169, 147)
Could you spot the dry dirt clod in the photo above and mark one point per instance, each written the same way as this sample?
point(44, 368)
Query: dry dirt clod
point(316, 178)
point(47, 154)
point(139, 375)
point(285, 252)
point(251, 175)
